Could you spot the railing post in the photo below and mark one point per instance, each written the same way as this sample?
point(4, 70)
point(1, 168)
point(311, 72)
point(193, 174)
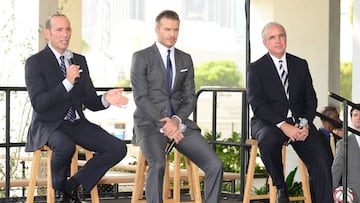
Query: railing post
point(344, 179)
point(7, 141)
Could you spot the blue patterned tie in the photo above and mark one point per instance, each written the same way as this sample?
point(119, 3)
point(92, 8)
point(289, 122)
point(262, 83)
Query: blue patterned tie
point(70, 115)
point(170, 79)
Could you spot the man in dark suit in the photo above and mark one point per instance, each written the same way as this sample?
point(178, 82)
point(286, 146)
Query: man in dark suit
point(281, 94)
point(164, 103)
point(58, 93)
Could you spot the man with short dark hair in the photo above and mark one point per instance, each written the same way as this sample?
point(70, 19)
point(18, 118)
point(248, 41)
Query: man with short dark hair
point(58, 91)
point(162, 78)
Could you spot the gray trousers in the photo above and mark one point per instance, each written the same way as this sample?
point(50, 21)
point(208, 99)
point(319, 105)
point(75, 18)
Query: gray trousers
point(194, 147)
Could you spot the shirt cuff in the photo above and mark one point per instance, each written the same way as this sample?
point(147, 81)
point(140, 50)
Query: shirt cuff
point(68, 86)
point(177, 117)
point(104, 102)
point(279, 124)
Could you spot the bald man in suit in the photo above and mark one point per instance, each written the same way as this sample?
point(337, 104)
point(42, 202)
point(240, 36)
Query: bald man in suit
point(163, 104)
point(280, 92)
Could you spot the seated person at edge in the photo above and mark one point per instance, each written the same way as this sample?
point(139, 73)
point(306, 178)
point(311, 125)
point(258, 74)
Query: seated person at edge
point(163, 104)
point(353, 180)
point(281, 93)
point(58, 91)
point(329, 129)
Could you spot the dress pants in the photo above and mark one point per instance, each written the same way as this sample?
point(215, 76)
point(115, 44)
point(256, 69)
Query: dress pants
point(194, 147)
point(108, 150)
point(311, 151)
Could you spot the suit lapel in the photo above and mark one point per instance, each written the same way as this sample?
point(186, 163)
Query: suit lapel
point(178, 65)
point(52, 64)
point(290, 67)
point(158, 63)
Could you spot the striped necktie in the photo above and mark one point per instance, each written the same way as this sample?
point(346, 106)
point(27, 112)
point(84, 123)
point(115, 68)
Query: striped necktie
point(284, 78)
point(70, 115)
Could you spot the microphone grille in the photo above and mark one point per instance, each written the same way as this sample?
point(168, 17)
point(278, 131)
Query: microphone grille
point(68, 54)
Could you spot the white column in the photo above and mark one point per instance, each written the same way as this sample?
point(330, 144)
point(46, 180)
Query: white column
point(356, 53)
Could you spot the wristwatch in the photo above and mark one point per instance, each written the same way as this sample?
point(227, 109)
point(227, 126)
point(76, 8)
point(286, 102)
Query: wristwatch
point(182, 127)
point(303, 122)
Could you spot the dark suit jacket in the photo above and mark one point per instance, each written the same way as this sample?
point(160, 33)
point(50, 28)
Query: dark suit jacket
point(150, 88)
point(267, 96)
point(49, 98)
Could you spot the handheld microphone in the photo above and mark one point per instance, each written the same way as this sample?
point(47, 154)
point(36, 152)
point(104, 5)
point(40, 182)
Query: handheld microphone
point(70, 57)
point(182, 128)
point(303, 122)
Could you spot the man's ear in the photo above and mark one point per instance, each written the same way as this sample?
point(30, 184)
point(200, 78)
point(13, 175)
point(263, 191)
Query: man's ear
point(46, 33)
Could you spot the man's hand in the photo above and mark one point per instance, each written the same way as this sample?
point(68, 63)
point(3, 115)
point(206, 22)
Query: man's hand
point(115, 97)
point(72, 72)
point(303, 133)
point(171, 129)
point(294, 133)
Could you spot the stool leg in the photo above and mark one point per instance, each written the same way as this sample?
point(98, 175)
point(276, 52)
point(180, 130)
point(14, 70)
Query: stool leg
point(139, 179)
point(176, 189)
point(250, 173)
point(195, 182)
point(189, 173)
point(272, 191)
point(166, 181)
point(33, 176)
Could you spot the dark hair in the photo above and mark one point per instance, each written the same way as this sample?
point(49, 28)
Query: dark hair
point(167, 14)
point(48, 20)
point(356, 107)
point(328, 111)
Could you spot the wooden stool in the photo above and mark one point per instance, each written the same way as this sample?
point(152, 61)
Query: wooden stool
point(34, 174)
point(49, 190)
point(191, 173)
point(272, 189)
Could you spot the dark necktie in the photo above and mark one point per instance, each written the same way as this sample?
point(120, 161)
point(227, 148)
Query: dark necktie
point(70, 115)
point(284, 78)
point(170, 79)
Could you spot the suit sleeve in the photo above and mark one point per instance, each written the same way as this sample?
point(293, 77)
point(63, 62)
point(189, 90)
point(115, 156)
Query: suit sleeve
point(257, 97)
point(310, 99)
point(338, 164)
point(141, 87)
point(49, 100)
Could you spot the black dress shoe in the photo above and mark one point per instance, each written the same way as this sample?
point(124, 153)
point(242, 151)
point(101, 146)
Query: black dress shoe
point(61, 197)
point(282, 196)
point(74, 196)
